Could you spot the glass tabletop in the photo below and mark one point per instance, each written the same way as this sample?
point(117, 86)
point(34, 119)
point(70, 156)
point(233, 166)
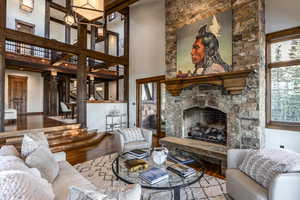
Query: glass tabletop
point(173, 182)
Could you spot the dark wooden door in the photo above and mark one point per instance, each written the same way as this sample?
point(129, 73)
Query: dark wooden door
point(17, 93)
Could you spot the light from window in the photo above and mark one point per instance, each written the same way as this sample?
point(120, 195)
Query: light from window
point(284, 80)
point(26, 5)
point(285, 99)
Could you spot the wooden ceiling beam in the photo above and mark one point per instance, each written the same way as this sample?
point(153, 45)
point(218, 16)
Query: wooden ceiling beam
point(118, 6)
point(34, 40)
point(58, 7)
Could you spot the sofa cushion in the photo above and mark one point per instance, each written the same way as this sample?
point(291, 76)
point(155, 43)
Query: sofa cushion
point(32, 141)
point(67, 177)
point(264, 165)
point(132, 134)
point(241, 187)
point(44, 161)
point(9, 150)
point(16, 163)
point(83, 194)
point(24, 186)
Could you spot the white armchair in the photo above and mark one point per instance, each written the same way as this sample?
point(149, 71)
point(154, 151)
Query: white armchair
point(132, 138)
point(241, 187)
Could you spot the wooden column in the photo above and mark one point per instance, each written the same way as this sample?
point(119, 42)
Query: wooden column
point(106, 90)
point(91, 88)
point(47, 24)
point(2, 62)
point(68, 28)
point(53, 96)
point(126, 54)
point(82, 77)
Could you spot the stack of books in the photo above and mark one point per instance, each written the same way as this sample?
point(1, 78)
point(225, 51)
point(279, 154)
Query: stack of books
point(182, 170)
point(180, 159)
point(137, 153)
point(154, 175)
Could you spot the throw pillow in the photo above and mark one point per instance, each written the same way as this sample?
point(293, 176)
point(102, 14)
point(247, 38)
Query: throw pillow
point(76, 193)
point(264, 165)
point(16, 163)
point(44, 161)
point(9, 150)
point(32, 141)
point(19, 185)
point(132, 134)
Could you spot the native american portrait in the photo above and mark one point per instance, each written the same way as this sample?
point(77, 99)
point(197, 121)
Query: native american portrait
point(205, 47)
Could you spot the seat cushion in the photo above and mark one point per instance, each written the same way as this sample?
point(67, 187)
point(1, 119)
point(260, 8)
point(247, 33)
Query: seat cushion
point(67, 177)
point(136, 145)
point(241, 187)
point(132, 134)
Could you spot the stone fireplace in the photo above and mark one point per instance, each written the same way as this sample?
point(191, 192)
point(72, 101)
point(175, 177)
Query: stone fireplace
point(245, 111)
point(205, 124)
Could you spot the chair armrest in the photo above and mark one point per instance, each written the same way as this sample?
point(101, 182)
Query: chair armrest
point(119, 141)
point(147, 135)
point(235, 157)
point(285, 186)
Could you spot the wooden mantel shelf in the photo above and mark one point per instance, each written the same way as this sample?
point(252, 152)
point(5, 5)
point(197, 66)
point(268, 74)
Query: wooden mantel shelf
point(233, 82)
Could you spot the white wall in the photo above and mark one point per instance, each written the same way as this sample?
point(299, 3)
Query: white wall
point(35, 89)
point(281, 15)
point(37, 16)
point(147, 45)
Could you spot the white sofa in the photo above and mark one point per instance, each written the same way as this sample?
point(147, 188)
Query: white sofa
point(67, 177)
point(241, 187)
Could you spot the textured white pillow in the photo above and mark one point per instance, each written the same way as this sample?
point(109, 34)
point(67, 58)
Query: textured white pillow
point(32, 141)
point(44, 161)
point(16, 163)
point(9, 150)
point(76, 193)
point(132, 134)
point(19, 185)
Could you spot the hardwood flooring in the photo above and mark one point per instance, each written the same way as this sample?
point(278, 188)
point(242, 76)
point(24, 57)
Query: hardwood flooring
point(28, 122)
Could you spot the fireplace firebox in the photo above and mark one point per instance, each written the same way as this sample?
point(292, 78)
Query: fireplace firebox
point(206, 124)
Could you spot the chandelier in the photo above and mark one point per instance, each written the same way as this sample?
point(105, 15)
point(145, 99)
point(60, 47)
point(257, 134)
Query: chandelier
point(87, 12)
point(88, 9)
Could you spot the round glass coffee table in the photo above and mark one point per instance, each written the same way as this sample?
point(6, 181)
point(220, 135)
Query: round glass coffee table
point(174, 182)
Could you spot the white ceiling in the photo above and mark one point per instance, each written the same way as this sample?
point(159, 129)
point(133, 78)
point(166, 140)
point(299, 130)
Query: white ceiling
point(282, 14)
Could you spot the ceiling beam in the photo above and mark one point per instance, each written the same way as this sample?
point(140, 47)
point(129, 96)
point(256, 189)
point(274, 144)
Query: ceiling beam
point(34, 40)
point(118, 5)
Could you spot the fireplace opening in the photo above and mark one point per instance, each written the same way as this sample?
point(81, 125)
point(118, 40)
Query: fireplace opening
point(206, 124)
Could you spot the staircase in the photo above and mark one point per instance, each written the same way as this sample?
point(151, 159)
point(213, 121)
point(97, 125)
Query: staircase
point(71, 139)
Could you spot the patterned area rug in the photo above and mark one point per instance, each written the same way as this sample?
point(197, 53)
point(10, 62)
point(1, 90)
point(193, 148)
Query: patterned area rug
point(99, 173)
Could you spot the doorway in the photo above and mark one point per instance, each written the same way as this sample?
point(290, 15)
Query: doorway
point(17, 93)
point(150, 94)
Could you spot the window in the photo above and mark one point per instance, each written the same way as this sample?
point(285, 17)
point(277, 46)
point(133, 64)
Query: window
point(283, 80)
point(26, 5)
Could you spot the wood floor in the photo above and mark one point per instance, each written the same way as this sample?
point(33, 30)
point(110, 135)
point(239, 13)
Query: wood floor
point(28, 122)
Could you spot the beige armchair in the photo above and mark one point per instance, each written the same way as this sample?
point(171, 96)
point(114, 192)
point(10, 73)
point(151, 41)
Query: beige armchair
point(241, 187)
point(132, 138)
